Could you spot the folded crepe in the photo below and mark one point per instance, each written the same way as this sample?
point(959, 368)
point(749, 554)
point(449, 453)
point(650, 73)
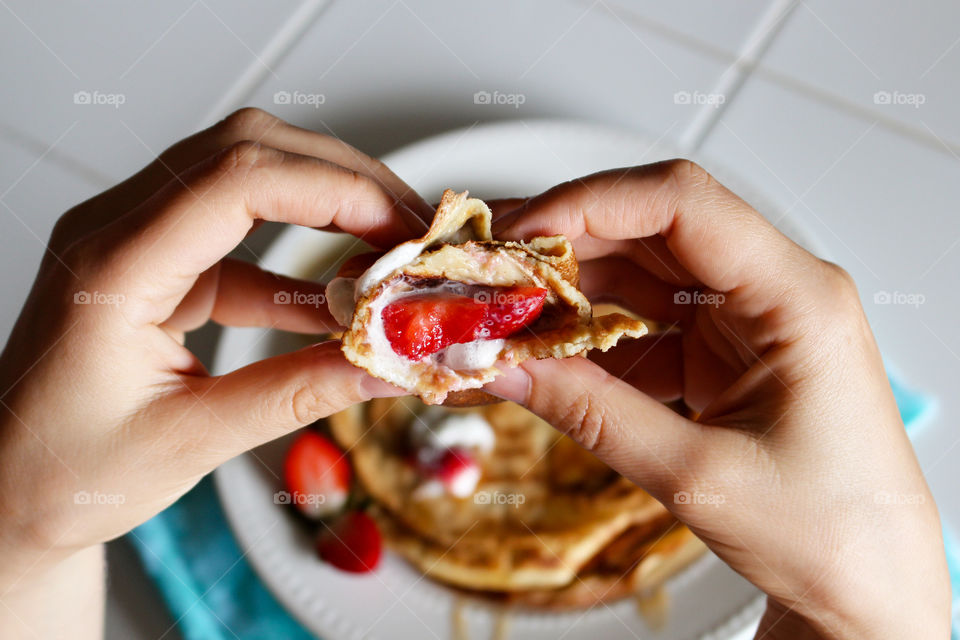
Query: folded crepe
point(434, 315)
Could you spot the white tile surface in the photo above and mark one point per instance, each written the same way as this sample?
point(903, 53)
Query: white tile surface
point(392, 72)
point(34, 192)
point(170, 62)
point(854, 51)
point(886, 207)
point(724, 25)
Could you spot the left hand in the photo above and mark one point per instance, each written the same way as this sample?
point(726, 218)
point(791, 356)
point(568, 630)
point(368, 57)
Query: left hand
point(105, 417)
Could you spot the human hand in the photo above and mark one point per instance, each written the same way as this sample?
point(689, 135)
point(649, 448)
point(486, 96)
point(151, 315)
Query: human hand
point(105, 417)
point(799, 439)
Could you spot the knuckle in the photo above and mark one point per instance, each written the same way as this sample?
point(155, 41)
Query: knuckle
point(248, 122)
point(308, 403)
point(841, 290)
point(840, 278)
point(242, 154)
point(65, 231)
point(687, 173)
point(586, 421)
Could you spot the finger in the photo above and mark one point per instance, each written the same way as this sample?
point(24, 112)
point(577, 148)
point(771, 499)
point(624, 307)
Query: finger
point(270, 398)
point(246, 124)
point(714, 235)
point(653, 364)
point(621, 281)
point(155, 254)
point(501, 207)
point(239, 294)
point(709, 366)
point(633, 433)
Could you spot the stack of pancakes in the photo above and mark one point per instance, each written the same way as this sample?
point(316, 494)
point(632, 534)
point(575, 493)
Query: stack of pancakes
point(549, 525)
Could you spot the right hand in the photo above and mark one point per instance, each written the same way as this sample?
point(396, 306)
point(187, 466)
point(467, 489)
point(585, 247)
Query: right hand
point(798, 472)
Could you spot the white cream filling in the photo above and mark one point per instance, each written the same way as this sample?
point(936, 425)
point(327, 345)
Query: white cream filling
point(478, 354)
point(389, 262)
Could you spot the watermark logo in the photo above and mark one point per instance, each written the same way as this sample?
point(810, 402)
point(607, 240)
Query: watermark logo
point(98, 297)
point(699, 98)
point(499, 297)
point(499, 497)
point(99, 98)
point(699, 297)
point(298, 97)
point(298, 297)
point(685, 497)
point(899, 298)
point(895, 498)
point(298, 498)
point(897, 98)
point(498, 98)
point(98, 498)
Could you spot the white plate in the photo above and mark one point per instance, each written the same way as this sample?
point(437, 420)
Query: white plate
point(708, 600)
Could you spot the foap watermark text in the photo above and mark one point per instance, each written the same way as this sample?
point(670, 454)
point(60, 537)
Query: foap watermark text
point(300, 298)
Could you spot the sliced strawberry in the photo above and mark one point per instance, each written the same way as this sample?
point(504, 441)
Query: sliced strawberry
point(352, 543)
point(511, 309)
point(317, 475)
point(417, 326)
point(455, 469)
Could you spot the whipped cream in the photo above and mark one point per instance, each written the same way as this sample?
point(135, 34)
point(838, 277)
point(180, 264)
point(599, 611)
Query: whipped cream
point(389, 262)
point(478, 354)
point(438, 429)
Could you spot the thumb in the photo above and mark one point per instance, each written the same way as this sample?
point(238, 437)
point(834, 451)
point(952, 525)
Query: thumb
point(269, 398)
point(638, 436)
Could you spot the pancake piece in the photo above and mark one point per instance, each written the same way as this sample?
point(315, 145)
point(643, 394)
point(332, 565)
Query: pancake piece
point(546, 525)
point(459, 258)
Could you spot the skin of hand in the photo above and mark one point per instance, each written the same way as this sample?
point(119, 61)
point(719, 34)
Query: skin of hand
point(105, 417)
point(797, 471)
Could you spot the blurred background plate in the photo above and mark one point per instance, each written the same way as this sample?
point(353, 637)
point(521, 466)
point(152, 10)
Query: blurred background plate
point(708, 600)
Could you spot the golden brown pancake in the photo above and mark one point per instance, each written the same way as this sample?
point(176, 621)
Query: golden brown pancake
point(579, 524)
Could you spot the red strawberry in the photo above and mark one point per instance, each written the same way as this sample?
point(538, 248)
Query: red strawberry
point(511, 309)
point(352, 543)
point(420, 325)
point(456, 469)
point(317, 475)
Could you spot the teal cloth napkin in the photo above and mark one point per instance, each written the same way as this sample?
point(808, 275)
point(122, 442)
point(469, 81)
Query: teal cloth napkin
point(214, 594)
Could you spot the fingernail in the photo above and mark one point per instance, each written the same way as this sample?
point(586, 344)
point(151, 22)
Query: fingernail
point(377, 388)
point(512, 384)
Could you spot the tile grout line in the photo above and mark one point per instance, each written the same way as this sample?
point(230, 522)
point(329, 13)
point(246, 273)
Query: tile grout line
point(36, 148)
point(786, 81)
point(733, 78)
point(282, 42)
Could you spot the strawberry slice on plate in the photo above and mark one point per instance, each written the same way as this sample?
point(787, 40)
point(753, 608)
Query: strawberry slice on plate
point(317, 475)
point(420, 325)
point(511, 309)
point(456, 470)
point(353, 543)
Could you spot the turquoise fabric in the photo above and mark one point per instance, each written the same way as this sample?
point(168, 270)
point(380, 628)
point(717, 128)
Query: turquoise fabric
point(214, 594)
point(209, 587)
